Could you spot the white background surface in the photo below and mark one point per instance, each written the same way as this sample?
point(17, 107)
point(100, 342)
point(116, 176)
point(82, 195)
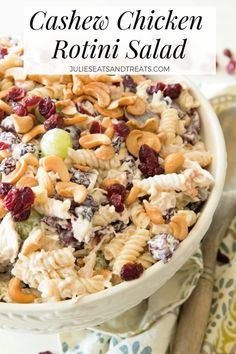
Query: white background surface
point(12, 24)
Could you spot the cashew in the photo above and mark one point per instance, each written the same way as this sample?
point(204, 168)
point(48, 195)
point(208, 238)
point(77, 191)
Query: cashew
point(31, 159)
point(101, 85)
point(14, 176)
point(108, 182)
point(4, 154)
point(174, 162)
point(106, 78)
point(26, 181)
point(70, 189)
point(86, 98)
point(153, 213)
point(45, 181)
point(17, 73)
point(3, 211)
point(150, 125)
point(74, 120)
point(16, 293)
point(81, 167)
point(90, 141)
point(77, 85)
point(70, 109)
point(34, 242)
point(99, 93)
point(67, 91)
point(4, 93)
point(107, 123)
point(136, 138)
point(123, 101)
point(178, 227)
point(65, 79)
point(133, 195)
point(105, 152)
point(57, 165)
point(110, 132)
point(6, 107)
point(138, 78)
point(22, 124)
point(190, 216)
point(38, 130)
point(138, 108)
point(46, 80)
point(113, 113)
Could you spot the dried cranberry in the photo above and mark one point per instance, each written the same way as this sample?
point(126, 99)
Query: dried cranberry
point(3, 52)
point(22, 215)
point(47, 107)
point(160, 86)
point(121, 129)
point(4, 189)
point(81, 109)
point(150, 170)
point(3, 146)
point(116, 201)
point(96, 127)
point(116, 189)
point(172, 90)
point(131, 271)
point(54, 121)
point(230, 68)
point(67, 238)
point(16, 94)
point(2, 114)
point(32, 100)
point(116, 195)
point(47, 352)
point(147, 153)
point(227, 52)
point(129, 83)
point(149, 162)
point(19, 200)
point(19, 109)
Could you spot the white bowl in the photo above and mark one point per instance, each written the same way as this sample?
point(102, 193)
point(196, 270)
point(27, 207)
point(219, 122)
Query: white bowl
point(97, 308)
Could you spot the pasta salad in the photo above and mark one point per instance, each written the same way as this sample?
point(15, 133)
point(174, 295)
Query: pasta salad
point(101, 177)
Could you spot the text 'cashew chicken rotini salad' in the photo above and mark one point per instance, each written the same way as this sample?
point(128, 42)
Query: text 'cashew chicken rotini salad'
point(101, 177)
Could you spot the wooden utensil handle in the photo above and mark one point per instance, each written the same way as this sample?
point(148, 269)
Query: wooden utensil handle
point(195, 311)
point(193, 319)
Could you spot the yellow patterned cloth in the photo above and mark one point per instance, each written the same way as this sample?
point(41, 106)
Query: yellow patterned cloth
point(220, 336)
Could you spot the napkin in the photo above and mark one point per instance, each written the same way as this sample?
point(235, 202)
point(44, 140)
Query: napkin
point(148, 327)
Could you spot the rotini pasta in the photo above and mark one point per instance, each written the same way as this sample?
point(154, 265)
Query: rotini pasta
point(169, 123)
point(88, 158)
point(186, 101)
point(138, 216)
point(132, 249)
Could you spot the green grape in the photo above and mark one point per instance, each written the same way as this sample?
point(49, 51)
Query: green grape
point(56, 142)
point(25, 227)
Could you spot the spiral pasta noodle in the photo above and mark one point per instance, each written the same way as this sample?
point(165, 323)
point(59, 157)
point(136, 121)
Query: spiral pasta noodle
point(202, 157)
point(88, 157)
point(169, 123)
point(132, 249)
point(139, 216)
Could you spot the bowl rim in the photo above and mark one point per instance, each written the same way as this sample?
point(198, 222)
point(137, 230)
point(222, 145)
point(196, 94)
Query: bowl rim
point(194, 237)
